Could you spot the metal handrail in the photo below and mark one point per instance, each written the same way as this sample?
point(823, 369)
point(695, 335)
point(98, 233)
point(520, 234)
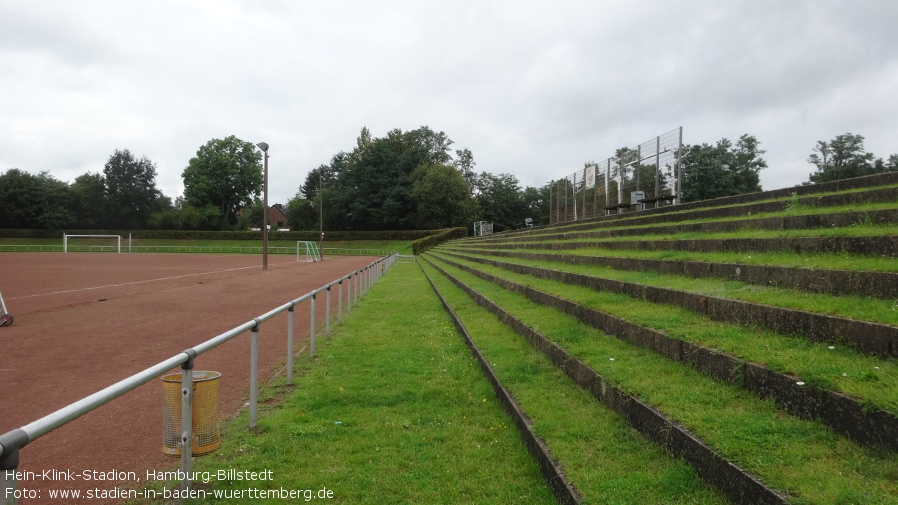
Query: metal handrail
point(12, 441)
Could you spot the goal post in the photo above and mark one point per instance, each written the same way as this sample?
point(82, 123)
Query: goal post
point(307, 251)
point(117, 247)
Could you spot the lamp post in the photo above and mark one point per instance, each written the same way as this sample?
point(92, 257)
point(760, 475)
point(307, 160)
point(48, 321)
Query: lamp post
point(320, 215)
point(264, 147)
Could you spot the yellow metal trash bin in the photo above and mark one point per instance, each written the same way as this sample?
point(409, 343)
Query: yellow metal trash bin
point(206, 437)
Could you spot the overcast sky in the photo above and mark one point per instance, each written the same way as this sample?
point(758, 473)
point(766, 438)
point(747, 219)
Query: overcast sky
point(534, 89)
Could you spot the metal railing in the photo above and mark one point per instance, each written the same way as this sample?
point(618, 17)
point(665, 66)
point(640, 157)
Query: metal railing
point(358, 283)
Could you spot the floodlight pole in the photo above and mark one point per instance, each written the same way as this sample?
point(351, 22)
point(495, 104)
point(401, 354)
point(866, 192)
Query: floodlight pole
point(320, 215)
point(264, 147)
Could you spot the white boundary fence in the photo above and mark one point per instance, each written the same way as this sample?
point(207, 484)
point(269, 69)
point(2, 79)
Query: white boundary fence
point(359, 282)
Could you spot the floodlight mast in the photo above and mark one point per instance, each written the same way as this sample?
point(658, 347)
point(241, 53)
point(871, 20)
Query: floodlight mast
point(264, 147)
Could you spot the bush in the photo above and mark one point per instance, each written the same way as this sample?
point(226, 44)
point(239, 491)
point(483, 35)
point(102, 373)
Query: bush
point(421, 245)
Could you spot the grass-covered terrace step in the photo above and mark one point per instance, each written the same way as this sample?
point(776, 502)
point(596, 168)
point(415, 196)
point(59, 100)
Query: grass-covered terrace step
point(845, 414)
point(870, 245)
point(870, 337)
point(829, 281)
point(771, 223)
point(598, 451)
point(801, 460)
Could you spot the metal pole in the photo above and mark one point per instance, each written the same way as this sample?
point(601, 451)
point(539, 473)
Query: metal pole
point(290, 315)
point(550, 201)
point(678, 166)
point(8, 464)
point(638, 163)
point(340, 302)
point(566, 181)
point(327, 319)
point(253, 376)
point(265, 217)
point(186, 424)
point(312, 330)
point(349, 296)
point(607, 181)
point(583, 210)
point(657, 171)
point(320, 215)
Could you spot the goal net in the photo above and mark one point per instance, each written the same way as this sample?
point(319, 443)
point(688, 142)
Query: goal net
point(307, 251)
point(92, 243)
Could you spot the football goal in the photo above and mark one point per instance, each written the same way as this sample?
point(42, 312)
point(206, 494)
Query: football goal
point(102, 243)
point(307, 251)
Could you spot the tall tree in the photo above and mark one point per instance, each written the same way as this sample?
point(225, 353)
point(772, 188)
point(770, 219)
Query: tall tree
point(373, 189)
point(89, 196)
point(442, 198)
point(535, 202)
point(131, 194)
point(841, 158)
point(500, 200)
point(225, 173)
point(34, 201)
point(713, 171)
point(323, 176)
point(464, 162)
point(746, 165)
point(301, 214)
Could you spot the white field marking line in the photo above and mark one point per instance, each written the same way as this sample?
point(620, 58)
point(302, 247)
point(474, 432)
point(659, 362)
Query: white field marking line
point(128, 283)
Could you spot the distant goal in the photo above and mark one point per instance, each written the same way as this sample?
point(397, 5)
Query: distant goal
point(92, 243)
point(307, 251)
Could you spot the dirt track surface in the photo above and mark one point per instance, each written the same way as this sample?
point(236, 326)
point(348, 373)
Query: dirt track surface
point(84, 321)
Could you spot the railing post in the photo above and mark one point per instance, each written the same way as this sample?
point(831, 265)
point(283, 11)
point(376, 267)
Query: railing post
point(340, 303)
point(349, 296)
point(254, 375)
point(327, 318)
point(11, 444)
point(312, 330)
point(290, 313)
point(187, 421)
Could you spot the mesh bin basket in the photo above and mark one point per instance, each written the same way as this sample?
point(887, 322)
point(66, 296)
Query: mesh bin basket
point(205, 413)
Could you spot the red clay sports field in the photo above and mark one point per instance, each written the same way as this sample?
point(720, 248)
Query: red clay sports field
point(84, 321)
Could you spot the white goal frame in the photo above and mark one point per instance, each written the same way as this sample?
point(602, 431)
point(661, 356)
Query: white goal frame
point(65, 241)
point(307, 251)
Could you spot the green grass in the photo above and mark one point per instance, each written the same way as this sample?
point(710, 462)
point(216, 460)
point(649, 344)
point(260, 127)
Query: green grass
point(785, 259)
point(799, 457)
point(794, 208)
point(852, 307)
point(607, 460)
point(394, 410)
point(873, 380)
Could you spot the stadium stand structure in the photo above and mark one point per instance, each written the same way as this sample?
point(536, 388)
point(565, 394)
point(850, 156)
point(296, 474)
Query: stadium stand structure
point(788, 297)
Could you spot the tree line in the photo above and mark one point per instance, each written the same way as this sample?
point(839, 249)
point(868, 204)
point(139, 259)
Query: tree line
point(409, 180)
point(223, 179)
point(402, 181)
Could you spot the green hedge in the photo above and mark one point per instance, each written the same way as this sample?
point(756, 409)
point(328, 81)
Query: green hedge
point(290, 236)
point(421, 245)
